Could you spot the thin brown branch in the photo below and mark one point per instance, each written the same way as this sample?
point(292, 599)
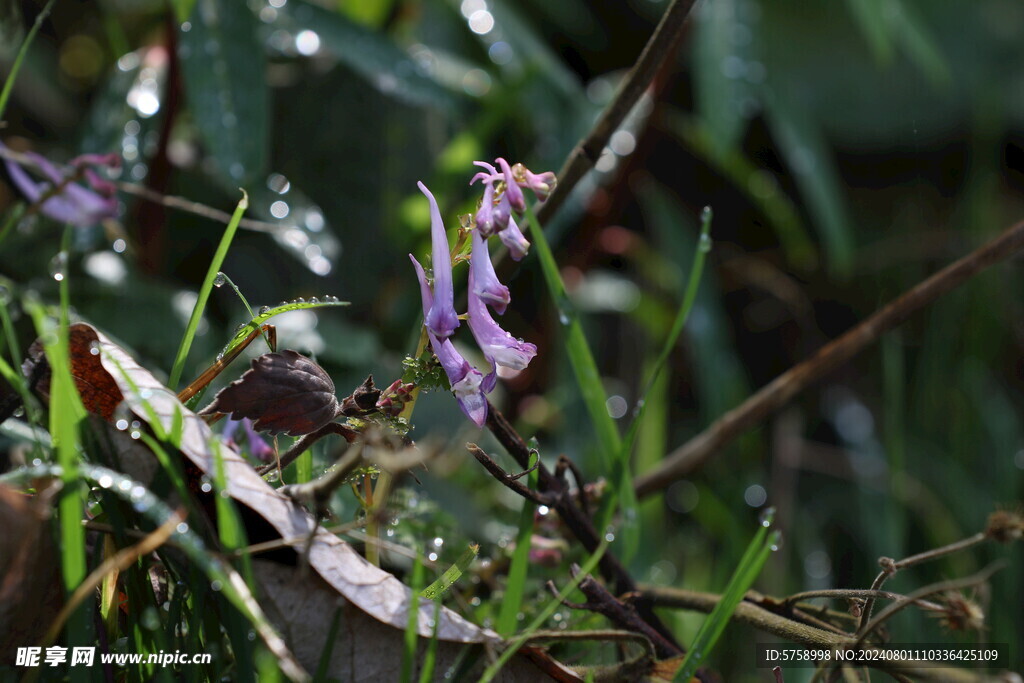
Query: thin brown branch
point(623, 615)
point(769, 622)
point(506, 479)
point(578, 524)
point(890, 567)
point(933, 589)
point(776, 394)
point(303, 444)
point(659, 49)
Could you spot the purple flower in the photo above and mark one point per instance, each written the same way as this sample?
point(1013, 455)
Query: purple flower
point(512, 190)
point(541, 183)
point(438, 304)
point(487, 285)
point(468, 383)
point(513, 238)
point(498, 346)
point(485, 213)
point(258, 448)
point(491, 217)
point(73, 204)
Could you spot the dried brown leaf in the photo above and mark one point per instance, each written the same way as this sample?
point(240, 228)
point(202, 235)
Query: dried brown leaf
point(31, 590)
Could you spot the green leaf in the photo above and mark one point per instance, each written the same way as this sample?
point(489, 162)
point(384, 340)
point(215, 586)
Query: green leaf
point(720, 64)
point(371, 54)
point(183, 8)
point(5, 93)
point(807, 154)
point(748, 569)
point(757, 184)
point(205, 289)
point(515, 584)
point(267, 313)
point(550, 608)
point(412, 627)
point(224, 66)
point(452, 574)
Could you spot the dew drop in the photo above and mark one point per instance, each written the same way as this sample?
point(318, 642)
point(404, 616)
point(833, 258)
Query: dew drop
point(767, 516)
point(215, 585)
point(264, 310)
point(314, 300)
point(219, 279)
point(563, 317)
point(300, 300)
point(704, 244)
point(94, 348)
point(59, 264)
point(121, 424)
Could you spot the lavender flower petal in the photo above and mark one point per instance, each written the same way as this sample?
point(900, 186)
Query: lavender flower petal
point(512, 190)
point(497, 345)
point(441, 319)
point(513, 238)
point(487, 286)
point(466, 380)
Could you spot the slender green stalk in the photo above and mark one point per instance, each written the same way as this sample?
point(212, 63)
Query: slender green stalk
point(743, 577)
point(13, 216)
point(448, 578)
point(204, 291)
point(412, 627)
point(515, 586)
point(5, 94)
point(545, 613)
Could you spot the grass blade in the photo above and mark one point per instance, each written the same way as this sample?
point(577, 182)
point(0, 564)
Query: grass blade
point(545, 613)
point(266, 314)
point(515, 587)
point(412, 628)
point(5, 94)
point(204, 291)
point(580, 355)
point(66, 414)
point(435, 590)
point(765, 540)
point(221, 575)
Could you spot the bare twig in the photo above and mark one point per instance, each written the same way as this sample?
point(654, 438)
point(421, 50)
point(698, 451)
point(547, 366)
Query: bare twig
point(935, 588)
point(507, 479)
point(659, 48)
point(303, 444)
point(776, 394)
point(621, 614)
point(891, 566)
point(769, 622)
point(578, 524)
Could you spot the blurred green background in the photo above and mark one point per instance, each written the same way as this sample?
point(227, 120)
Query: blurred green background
point(848, 149)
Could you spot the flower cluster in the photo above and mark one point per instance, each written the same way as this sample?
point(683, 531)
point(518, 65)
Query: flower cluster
point(63, 199)
point(503, 196)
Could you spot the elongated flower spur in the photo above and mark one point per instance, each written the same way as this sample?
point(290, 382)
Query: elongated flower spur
point(63, 199)
point(502, 196)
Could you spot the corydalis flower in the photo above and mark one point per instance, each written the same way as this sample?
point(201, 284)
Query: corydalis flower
point(498, 346)
point(438, 303)
point(486, 284)
point(258, 448)
point(513, 238)
point(63, 200)
point(541, 183)
point(468, 384)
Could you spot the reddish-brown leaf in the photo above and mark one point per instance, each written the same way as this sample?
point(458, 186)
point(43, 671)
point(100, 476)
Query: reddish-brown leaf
point(282, 392)
point(97, 388)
